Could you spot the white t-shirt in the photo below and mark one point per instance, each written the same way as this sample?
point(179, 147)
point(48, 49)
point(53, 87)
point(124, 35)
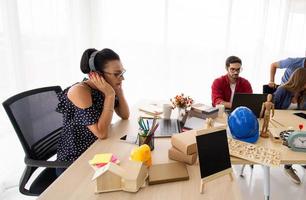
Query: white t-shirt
point(233, 86)
point(293, 106)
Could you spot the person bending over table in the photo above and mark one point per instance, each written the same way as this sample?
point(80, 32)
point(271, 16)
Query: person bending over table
point(292, 95)
point(290, 64)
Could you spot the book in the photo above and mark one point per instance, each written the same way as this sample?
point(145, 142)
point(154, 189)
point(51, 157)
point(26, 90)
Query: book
point(167, 172)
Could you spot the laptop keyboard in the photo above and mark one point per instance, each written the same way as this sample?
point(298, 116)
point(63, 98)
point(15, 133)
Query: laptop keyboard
point(167, 126)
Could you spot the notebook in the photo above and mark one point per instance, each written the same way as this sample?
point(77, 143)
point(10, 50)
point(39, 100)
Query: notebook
point(167, 172)
point(252, 101)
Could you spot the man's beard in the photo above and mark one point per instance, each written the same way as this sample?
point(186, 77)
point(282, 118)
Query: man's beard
point(234, 76)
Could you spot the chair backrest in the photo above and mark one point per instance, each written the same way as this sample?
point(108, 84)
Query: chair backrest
point(35, 120)
point(268, 90)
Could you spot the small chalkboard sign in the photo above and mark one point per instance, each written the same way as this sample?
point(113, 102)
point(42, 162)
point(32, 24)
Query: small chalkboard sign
point(214, 157)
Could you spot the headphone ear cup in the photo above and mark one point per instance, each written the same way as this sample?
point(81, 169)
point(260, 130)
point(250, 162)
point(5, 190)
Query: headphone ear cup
point(91, 61)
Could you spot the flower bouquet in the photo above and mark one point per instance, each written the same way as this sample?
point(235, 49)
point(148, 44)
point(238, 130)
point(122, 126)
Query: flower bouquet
point(182, 103)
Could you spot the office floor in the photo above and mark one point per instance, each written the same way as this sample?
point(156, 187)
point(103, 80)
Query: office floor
point(251, 185)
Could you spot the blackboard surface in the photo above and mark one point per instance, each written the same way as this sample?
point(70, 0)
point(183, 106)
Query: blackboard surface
point(213, 153)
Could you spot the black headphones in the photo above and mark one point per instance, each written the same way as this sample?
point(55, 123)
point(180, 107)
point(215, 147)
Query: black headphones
point(92, 61)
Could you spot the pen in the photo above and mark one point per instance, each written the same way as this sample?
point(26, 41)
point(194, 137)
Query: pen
point(149, 138)
point(154, 129)
point(148, 125)
point(139, 122)
point(143, 124)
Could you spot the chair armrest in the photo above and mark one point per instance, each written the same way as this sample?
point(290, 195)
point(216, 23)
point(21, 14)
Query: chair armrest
point(45, 163)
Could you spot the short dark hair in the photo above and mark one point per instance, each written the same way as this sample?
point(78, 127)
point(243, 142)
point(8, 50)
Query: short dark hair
point(101, 59)
point(232, 59)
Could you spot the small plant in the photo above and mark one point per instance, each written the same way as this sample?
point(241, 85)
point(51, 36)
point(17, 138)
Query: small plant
point(181, 101)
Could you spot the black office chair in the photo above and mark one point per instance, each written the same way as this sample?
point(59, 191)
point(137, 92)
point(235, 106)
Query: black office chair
point(38, 127)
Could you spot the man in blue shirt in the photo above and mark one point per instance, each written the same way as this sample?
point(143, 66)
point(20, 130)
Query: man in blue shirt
point(290, 64)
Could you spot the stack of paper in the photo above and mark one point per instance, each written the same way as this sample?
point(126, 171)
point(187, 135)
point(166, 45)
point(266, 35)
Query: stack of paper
point(151, 109)
point(100, 160)
point(203, 111)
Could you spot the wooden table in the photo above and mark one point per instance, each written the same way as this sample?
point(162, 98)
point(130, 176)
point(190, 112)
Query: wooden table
point(282, 120)
point(76, 183)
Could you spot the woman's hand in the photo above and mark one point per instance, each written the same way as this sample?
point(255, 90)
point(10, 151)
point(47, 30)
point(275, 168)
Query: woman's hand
point(101, 84)
point(118, 89)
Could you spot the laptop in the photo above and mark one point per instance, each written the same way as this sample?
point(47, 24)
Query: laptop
point(167, 127)
point(252, 101)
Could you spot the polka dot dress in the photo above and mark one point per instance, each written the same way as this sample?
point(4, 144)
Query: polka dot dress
point(76, 137)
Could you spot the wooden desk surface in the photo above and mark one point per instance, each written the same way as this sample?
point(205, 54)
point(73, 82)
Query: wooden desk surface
point(76, 183)
point(287, 119)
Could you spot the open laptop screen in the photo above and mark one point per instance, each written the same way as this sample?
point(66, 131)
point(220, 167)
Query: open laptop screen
point(251, 101)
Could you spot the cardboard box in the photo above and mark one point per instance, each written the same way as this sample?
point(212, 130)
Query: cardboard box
point(185, 142)
point(175, 154)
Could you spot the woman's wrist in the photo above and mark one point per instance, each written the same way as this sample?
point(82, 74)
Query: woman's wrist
point(110, 96)
point(108, 109)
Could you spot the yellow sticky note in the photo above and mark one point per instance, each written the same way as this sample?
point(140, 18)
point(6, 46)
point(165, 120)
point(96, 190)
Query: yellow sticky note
point(101, 158)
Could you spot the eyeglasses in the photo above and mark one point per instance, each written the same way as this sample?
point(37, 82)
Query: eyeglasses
point(117, 74)
point(236, 69)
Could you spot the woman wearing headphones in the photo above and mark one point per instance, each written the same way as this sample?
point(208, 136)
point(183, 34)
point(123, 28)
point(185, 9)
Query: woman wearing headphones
point(88, 106)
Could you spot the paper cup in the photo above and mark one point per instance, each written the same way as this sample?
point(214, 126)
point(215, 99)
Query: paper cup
point(221, 110)
point(167, 109)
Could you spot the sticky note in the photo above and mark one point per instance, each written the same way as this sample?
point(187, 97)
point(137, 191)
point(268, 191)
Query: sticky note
point(101, 158)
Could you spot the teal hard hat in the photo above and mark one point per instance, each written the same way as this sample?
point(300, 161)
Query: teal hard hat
point(243, 125)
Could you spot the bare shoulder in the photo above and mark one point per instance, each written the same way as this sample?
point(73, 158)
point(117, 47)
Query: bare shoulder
point(80, 95)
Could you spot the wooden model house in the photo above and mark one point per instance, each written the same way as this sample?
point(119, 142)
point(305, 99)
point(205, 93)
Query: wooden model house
point(108, 178)
point(113, 177)
point(135, 176)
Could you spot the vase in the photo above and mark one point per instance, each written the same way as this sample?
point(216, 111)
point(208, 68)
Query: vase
point(181, 113)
